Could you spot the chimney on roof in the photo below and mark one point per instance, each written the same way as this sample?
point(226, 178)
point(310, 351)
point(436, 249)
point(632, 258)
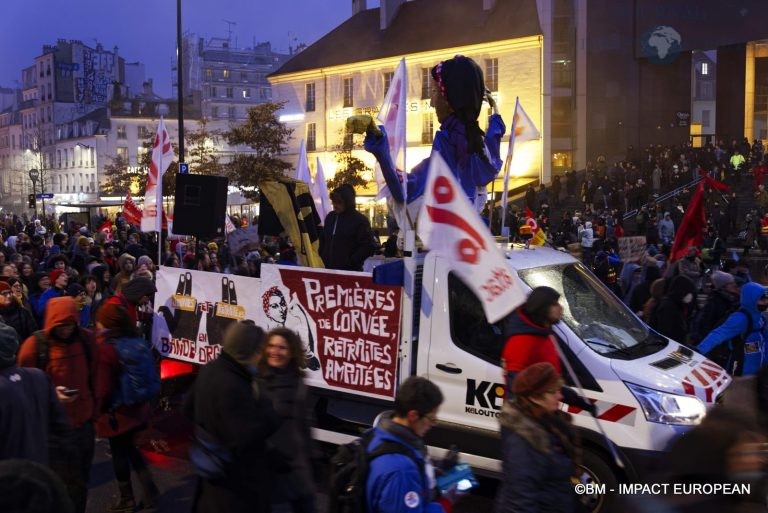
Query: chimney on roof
point(488, 4)
point(359, 6)
point(388, 11)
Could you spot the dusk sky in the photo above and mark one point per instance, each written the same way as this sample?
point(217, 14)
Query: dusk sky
point(145, 30)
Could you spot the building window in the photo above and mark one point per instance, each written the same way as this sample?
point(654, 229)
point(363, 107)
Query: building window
point(311, 136)
point(208, 74)
point(427, 131)
point(230, 92)
point(122, 154)
point(121, 132)
point(309, 104)
point(225, 73)
point(144, 132)
point(492, 74)
point(705, 118)
point(231, 112)
point(244, 76)
point(214, 92)
point(349, 85)
point(265, 93)
point(705, 68)
point(215, 112)
point(388, 76)
point(247, 92)
point(426, 83)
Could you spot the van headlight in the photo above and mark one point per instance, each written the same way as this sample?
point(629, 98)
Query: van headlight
point(665, 408)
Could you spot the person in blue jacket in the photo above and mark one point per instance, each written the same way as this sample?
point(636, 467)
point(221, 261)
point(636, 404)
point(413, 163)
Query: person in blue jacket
point(457, 93)
point(399, 483)
point(746, 361)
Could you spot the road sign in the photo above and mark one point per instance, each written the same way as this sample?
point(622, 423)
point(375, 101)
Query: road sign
point(183, 168)
point(47, 195)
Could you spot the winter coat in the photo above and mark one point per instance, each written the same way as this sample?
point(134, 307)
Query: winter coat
point(528, 343)
point(536, 468)
point(395, 483)
point(586, 236)
point(291, 446)
point(71, 363)
point(227, 402)
point(123, 418)
point(45, 297)
point(18, 318)
point(641, 292)
point(666, 230)
point(29, 411)
point(716, 310)
point(737, 325)
point(347, 237)
point(672, 315)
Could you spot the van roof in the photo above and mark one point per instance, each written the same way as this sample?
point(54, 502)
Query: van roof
point(536, 256)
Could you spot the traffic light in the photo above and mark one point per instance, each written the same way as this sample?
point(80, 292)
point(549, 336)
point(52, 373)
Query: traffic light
point(31, 199)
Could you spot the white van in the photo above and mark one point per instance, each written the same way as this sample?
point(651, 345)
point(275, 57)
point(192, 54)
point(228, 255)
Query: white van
point(648, 389)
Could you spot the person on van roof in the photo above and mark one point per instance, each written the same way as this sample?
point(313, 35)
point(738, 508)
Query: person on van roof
point(531, 340)
point(347, 236)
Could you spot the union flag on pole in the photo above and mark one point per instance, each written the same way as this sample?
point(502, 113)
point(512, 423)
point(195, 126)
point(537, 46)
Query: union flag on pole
point(162, 156)
point(106, 229)
point(538, 234)
point(523, 129)
point(450, 226)
point(131, 212)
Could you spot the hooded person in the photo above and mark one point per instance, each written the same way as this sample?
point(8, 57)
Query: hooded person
point(227, 403)
point(628, 278)
point(540, 450)
point(743, 334)
point(667, 230)
point(722, 302)
point(457, 94)
point(70, 365)
point(641, 292)
point(135, 293)
point(126, 264)
point(15, 315)
point(532, 340)
point(347, 236)
point(673, 314)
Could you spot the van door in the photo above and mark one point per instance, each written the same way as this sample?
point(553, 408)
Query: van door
point(464, 353)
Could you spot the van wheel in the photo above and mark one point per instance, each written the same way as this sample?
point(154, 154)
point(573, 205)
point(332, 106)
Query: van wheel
point(596, 471)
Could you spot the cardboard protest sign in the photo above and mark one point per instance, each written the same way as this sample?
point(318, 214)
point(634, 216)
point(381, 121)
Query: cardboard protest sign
point(631, 249)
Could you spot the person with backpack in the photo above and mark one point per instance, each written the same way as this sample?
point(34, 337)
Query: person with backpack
point(67, 354)
point(125, 383)
point(745, 332)
point(398, 478)
point(230, 408)
point(134, 294)
point(540, 450)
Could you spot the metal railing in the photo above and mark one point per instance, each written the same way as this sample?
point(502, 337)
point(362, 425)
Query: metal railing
point(665, 196)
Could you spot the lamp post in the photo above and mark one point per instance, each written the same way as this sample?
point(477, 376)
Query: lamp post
point(34, 174)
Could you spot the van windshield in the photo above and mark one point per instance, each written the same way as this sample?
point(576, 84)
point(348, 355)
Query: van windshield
point(594, 314)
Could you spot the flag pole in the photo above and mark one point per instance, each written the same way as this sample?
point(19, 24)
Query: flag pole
point(507, 165)
point(159, 197)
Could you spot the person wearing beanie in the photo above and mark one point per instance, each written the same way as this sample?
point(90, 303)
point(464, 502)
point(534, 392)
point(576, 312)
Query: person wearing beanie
point(457, 93)
point(722, 302)
point(15, 315)
point(59, 281)
point(532, 340)
point(126, 264)
point(77, 291)
point(67, 353)
point(29, 406)
point(540, 450)
point(135, 294)
point(348, 238)
point(121, 424)
point(227, 403)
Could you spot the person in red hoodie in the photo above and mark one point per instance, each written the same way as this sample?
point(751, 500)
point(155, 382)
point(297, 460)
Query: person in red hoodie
point(120, 424)
point(67, 354)
point(135, 293)
point(532, 341)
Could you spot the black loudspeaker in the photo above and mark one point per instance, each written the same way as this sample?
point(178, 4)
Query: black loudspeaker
point(200, 205)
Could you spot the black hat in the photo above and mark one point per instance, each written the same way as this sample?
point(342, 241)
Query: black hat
point(9, 345)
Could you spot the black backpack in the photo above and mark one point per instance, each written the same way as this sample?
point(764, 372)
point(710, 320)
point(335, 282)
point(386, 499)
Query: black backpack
point(349, 472)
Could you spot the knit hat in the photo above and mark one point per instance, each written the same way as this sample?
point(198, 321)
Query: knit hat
point(137, 288)
point(720, 279)
point(4, 285)
point(144, 260)
point(54, 275)
point(9, 345)
point(75, 289)
point(242, 340)
point(83, 242)
point(533, 381)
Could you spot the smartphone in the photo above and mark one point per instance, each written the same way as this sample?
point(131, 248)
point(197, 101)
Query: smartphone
point(70, 392)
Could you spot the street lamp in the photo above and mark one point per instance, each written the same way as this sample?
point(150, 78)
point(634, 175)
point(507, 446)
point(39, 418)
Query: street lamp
point(34, 174)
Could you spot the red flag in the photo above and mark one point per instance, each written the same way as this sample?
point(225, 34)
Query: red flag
point(106, 229)
point(538, 236)
point(711, 182)
point(131, 212)
point(691, 230)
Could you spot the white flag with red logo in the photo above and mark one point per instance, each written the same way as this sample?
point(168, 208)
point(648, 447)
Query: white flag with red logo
point(320, 193)
point(523, 129)
point(106, 229)
point(162, 156)
point(229, 226)
point(392, 117)
point(449, 225)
